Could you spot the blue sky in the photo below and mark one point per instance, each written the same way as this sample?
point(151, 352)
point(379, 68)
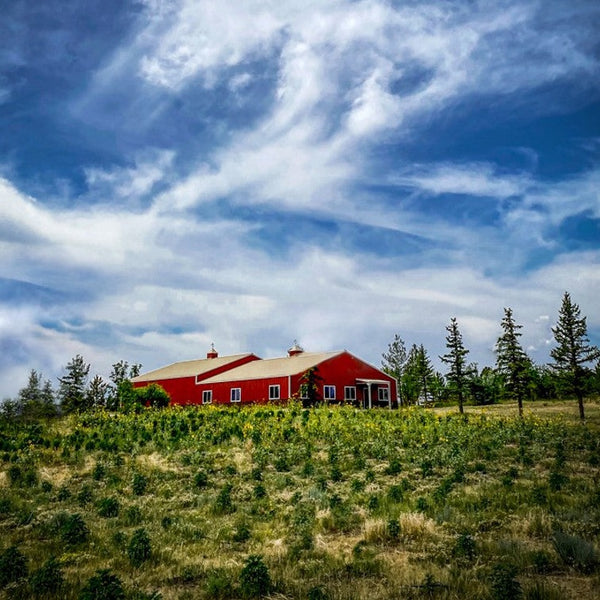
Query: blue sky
point(179, 173)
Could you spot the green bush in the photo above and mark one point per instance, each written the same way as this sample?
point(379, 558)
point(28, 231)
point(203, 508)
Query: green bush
point(255, 580)
point(201, 479)
point(72, 529)
point(223, 503)
point(139, 484)
point(48, 579)
point(139, 548)
point(99, 472)
point(108, 507)
point(13, 566)
point(103, 586)
point(504, 585)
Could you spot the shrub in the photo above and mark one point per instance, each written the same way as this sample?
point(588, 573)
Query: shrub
point(103, 586)
point(504, 585)
point(108, 507)
point(48, 579)
point(201, 479)
point(255, 580)
point(133, 515)
point(576, 552)
point(394, 467)
point(99, 472)
point(72, 529)
point(13, 566)
point(139, 484)
point(557, 481)
point(317, 593)
point(242, 533)
point(139, 548)
point(464, 547)
point(85, 496)
point(393, 529)
point(223, 503)
point(64, 493)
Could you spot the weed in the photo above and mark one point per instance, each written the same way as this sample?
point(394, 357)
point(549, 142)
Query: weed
point(99, 472)
point(223, 503)
point(218, 584)
point(576, 552)
point(541, 590)
point(71, 528)
point(200, 479)
point(133, 516)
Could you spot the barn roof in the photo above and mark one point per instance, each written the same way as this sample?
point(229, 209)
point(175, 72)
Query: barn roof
point(189, 368)
point(273, 367)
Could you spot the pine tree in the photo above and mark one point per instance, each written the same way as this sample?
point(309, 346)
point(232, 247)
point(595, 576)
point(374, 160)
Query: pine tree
point(573, 349)
point(512, 361)
point(394, 361)
point(458, 374)
point(424, 372)
point(310, 383)
point(96, 393)
point(72, 390)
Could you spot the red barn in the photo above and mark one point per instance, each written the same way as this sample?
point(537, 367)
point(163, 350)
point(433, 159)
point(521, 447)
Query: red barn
point(245, 378)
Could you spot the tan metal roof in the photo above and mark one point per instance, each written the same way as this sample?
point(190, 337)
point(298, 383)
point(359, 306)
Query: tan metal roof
point(273, 367)
point(189, 368)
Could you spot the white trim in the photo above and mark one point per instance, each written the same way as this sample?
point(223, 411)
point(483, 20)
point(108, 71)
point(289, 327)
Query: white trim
point(272, 388)
point(238, 394)
point(325, 395)
point(352, 396)
point(206, 396)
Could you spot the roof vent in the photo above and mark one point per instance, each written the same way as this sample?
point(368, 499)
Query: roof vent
point(212, 353)
point(295, 349)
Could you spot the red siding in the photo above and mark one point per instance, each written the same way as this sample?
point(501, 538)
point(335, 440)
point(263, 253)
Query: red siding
point(184, 390)
point(341, 370)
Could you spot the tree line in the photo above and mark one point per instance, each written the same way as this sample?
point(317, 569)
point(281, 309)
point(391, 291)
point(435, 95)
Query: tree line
point(76, 392)
point(514, 376)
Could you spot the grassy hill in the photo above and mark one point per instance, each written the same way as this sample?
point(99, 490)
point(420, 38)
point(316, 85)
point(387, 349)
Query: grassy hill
point(328, 503)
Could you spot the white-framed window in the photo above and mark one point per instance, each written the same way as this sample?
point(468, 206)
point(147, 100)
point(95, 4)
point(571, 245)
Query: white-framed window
point(206, 396)
point(274, 393)
point(349, 393)
point(328, 392)
point(303, 391)
point(383, 394)
point(235, 395)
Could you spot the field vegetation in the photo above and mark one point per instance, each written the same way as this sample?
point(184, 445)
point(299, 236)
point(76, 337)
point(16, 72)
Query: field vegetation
point(286, 502)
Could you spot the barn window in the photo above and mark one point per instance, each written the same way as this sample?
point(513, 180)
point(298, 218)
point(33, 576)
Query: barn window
point(329, 392)
point(236, 395)
point(274, 392)
point(207, 397)
point(383, 394)
point(350, 393)
point(304, 391)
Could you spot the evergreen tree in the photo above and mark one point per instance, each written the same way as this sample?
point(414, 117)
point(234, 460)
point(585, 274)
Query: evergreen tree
point(72, 389)
point(394, 361)
point(310, 385)
point(512, 361)
point(409, 382)
point(573, 350)
point(458, 374)
point(423, 371)
point(96, 394)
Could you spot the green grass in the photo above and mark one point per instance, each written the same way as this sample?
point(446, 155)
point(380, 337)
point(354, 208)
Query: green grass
point(328, 503)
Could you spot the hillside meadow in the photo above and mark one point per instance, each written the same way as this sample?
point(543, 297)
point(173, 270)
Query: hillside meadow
point(288, 503)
